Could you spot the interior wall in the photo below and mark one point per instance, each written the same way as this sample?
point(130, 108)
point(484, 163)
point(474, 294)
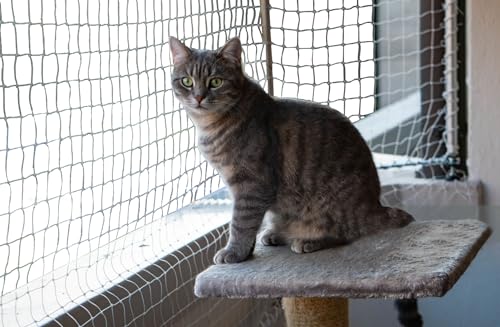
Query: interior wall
point(484, 97)
point(483, 80)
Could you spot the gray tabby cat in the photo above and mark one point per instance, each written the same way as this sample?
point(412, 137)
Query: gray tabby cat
point(302, 163)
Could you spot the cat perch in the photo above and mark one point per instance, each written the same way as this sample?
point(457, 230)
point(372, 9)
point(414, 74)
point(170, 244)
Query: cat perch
point(423, 259)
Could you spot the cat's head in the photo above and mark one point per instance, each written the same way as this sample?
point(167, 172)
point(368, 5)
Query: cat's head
point(207, 80)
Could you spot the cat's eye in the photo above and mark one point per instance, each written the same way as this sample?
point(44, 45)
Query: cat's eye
point(187, 82)
point(215, 82)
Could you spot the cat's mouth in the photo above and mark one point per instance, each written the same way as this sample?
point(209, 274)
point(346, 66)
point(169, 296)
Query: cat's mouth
point(200, 107)
point(196, 106)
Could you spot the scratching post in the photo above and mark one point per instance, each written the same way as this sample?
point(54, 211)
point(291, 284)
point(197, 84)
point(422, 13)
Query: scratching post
point(423, 259)
point(316, 312)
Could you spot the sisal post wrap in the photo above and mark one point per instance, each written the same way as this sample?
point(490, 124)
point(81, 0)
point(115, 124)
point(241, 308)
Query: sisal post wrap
point(316, 312)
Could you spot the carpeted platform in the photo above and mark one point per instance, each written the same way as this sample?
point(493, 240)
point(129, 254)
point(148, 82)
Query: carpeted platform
point(423, 259)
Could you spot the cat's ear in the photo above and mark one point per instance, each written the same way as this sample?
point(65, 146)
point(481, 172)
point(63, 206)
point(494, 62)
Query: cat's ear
point(232, 50)
point(180, 53)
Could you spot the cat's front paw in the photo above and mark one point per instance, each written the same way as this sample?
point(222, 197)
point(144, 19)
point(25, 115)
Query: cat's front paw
point(230, 255)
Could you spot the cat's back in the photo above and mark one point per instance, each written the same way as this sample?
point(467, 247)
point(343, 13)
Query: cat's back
point(316, 123)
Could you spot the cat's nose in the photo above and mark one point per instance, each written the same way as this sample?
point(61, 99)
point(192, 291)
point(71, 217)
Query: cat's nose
point(199, 98)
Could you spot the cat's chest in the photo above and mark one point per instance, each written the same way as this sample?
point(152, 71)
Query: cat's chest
point(220, 156)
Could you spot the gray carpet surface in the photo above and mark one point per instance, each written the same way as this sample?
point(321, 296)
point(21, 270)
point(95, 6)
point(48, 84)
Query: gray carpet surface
point(423, 259)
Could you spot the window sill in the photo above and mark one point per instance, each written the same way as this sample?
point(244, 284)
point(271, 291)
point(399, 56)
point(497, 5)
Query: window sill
point(130, 265)
point(164, 242)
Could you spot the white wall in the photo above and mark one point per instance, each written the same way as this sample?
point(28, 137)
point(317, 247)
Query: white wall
point(483, 79)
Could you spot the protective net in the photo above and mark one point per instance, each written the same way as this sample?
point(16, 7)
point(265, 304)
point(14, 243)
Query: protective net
point(97, 153)
point(364, 56)
point(100, 162)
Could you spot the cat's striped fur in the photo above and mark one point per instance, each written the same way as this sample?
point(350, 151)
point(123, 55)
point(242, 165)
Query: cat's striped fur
point(302, 163)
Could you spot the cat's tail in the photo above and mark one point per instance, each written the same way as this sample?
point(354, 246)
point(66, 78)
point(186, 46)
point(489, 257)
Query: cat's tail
point(398, 217)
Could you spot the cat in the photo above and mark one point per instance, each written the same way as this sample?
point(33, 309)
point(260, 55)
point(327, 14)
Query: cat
point(302, 164)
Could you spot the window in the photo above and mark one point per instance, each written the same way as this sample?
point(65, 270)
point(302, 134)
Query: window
point(99, 158)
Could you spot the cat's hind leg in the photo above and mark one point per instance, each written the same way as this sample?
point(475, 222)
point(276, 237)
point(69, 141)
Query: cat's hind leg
point(313, 231)
point(271, 237)
point(272, 233)
point(307, 246)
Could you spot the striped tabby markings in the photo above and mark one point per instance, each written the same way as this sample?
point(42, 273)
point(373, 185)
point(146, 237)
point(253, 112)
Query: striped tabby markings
point(290, 158)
